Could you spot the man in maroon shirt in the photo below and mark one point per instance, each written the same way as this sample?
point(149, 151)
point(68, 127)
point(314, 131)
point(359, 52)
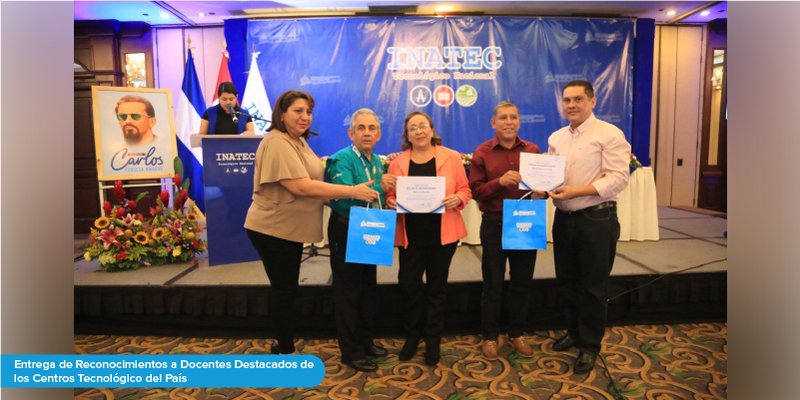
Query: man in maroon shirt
point(493, 177)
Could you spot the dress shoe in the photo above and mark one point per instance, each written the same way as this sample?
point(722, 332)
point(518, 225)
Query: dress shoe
point(432, 352)
point(363, 365)
point(565, 343)
point(409, 348)
point(374, 350)
point(585, 362)
point(489, 349)
point(521, 348)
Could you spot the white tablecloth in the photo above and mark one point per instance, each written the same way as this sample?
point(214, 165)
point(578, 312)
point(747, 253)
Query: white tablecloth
point(636, 208)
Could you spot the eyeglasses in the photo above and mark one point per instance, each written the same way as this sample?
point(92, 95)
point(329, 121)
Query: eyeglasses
point(413, 129)
point(123, 117)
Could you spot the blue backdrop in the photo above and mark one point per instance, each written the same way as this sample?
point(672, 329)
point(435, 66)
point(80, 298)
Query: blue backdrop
point(455, 69)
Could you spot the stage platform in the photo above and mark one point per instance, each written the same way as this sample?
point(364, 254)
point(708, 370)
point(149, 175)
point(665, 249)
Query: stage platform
point(197, 300)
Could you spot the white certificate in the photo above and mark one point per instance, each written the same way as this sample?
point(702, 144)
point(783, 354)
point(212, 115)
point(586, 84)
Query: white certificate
point(541, 171)
point(420, 194)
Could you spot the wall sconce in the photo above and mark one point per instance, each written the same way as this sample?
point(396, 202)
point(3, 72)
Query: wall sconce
point(135, 70)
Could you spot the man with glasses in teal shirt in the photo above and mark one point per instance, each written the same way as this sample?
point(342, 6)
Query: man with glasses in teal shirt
point(354, 285)
point(136, 117)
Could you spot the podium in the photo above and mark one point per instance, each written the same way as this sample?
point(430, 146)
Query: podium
point(228, 165)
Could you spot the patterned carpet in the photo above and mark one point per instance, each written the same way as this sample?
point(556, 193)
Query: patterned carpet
point(656, 362)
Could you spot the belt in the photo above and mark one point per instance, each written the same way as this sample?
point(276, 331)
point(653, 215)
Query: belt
point(340, 218)
point(602, 206)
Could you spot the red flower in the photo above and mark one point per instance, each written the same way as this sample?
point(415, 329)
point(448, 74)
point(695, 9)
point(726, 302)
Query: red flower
point(119, 192)
point(139, 216)
point(131, 204)
point(165, 196)
point(196, 244)
point(120, 212)
point(155, 210)
point(121, 255)
point(107, 207)
point(177, 180)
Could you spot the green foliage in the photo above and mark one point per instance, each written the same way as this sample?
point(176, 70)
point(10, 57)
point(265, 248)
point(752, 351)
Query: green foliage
point(654, 351)
point(517, 360)
point(631, 390)
point(677, 372)
point(178, 166)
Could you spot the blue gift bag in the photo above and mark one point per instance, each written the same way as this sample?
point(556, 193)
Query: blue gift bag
point(370, 236)
point(524, 225)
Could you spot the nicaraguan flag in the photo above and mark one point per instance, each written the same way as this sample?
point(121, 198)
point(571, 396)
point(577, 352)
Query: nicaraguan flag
point(191, 105)
point(255, 100)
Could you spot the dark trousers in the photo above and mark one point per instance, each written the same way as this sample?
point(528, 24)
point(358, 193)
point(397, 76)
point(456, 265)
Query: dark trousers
point(584, 246)
point(354, 295)
point(425, 302)
point(493, 267)
point(281, 259)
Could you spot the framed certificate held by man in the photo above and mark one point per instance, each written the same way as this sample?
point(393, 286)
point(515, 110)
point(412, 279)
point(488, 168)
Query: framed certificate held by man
point(541, 171)
point(134, 133)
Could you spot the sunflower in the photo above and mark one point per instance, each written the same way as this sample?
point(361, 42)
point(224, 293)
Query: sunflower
point(159, 233)
point(141, 238)
point(191, 216)
point(102, 223)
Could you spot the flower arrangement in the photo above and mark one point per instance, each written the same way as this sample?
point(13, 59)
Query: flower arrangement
point(122, 239)
point(634, 164)
point(387, 159)
point(466, 160)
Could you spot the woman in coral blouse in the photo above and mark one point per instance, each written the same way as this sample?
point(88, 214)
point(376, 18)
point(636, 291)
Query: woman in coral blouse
point(427, 242)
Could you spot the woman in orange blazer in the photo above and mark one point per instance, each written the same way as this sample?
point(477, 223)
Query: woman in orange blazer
point(427, 242)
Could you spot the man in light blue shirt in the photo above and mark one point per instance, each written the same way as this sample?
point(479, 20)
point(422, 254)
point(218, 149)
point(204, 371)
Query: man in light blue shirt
point(354, 285)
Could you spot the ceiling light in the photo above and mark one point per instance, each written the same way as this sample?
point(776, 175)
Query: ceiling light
point(671, 13)
point(443, 9)
point(164, 15)
point(705, 13)
point(201, 14)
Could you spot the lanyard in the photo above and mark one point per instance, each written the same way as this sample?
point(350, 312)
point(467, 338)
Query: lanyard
point(364, 163)
point(366, 170)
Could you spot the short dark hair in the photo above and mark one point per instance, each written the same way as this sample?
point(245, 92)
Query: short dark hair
point(587, 86)
point(405, 144)
point(227, 87)
point(151, 112)
point(504, 103)
point(282, 105)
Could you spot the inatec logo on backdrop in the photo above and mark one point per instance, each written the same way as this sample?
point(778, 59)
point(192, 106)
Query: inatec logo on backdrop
point(451, 62)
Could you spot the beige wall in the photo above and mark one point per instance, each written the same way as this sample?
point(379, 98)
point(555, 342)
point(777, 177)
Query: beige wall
point(170, 55)
point(677, 112)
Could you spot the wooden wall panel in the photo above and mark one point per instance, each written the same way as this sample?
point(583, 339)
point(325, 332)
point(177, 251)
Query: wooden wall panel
point(666, 112)
point(688, 114)
point(677, 112)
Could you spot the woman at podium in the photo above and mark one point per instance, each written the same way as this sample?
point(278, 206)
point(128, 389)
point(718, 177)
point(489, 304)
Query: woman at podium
point(226, 118)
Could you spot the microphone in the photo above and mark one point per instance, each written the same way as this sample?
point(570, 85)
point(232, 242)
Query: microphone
point(233, 114)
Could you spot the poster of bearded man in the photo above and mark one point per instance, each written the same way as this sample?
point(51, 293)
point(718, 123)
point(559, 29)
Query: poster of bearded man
point(134, 133)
